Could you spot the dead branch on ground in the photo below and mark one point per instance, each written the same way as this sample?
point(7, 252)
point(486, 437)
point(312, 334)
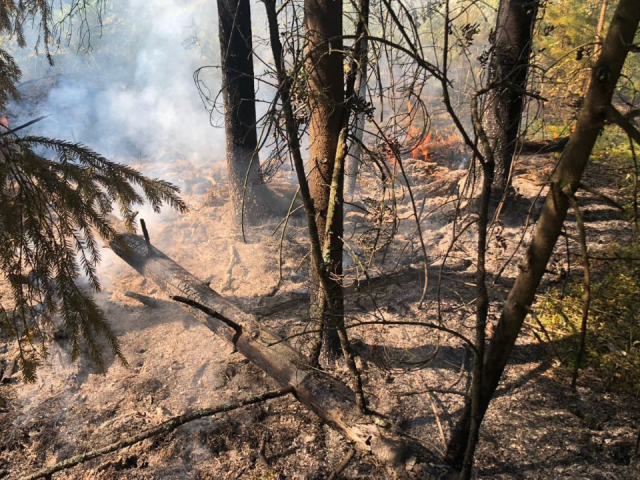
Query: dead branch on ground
point(162, 429)
point(321, 393)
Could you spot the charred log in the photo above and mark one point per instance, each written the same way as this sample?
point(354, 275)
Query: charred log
point(321, 393)
point(533, 147)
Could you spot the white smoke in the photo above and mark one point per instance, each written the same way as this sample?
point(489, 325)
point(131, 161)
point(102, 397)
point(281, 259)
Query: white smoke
point(133, 95)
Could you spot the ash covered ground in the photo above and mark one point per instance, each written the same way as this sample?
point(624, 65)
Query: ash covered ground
point(537, 428)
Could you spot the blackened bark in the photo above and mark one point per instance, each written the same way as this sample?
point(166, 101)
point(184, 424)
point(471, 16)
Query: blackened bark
point(324, 67)
point(509, 66)
point(591, 120)
point(236, 53)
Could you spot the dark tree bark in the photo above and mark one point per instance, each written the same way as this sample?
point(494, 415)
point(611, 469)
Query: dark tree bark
point(565, 181)
point(243, 165)
point(533, 147)
point(508, 66)
point(324, 66)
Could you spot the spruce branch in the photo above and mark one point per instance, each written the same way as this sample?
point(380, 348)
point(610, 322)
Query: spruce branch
point(50, 211)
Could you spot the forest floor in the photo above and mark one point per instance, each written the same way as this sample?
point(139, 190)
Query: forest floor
point(536, 427)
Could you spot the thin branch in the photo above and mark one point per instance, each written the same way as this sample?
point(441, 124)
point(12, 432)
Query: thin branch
point(614, 116)
point(162, 429)
point(435, 326)
point(586, 299)
point(343, 464)
point(444, 391)
point(601, 196)
point(25, 125)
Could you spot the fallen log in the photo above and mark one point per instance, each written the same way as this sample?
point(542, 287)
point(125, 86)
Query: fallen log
point(326, 396)
point(535, 147)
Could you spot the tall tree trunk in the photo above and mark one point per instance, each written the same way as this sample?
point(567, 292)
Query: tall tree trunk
point(565, 180)
point(324, 66)
point(236, 53)
point(353, 161)
point(508, 70)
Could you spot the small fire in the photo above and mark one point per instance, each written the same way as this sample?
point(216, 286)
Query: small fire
point(434, 145)
point(4, 122)
point(436, 149)
point(424, 145)
point(421, 150)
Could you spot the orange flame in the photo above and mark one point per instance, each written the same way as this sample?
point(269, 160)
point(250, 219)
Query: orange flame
point(421, 150)
point(432, 148)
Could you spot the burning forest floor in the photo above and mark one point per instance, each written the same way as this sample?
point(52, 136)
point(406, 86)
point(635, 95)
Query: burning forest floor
point(536, 428)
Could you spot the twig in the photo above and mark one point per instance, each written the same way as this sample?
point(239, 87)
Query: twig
point(25, 125)
point(435, 326)
point(635, 184)
point(430, 390)
point(586, 299)
point(162, 429)
point(546, 334)
point(212, 313)
point(261, 448)
point(614, 116)
point(602, 196)
point(284, 231)
point(436, 414)
point(343, 464)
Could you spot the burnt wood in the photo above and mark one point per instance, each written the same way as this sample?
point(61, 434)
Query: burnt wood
point(326, 396)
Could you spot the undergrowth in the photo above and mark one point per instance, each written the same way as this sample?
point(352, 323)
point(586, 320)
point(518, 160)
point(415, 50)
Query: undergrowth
point(613, 338)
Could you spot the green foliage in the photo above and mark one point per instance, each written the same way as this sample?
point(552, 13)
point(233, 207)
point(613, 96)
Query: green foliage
point(9, 76)
point(15, 15)
point(613, 338)
point(565, 49)
point(50, 211)
point(566, 46)
point(613, 148)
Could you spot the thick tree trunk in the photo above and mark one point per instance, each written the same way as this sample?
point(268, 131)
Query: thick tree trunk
point(321, 393)
point(508, 71)
point(324, 67)
point(243, 165)
point(605, 75)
